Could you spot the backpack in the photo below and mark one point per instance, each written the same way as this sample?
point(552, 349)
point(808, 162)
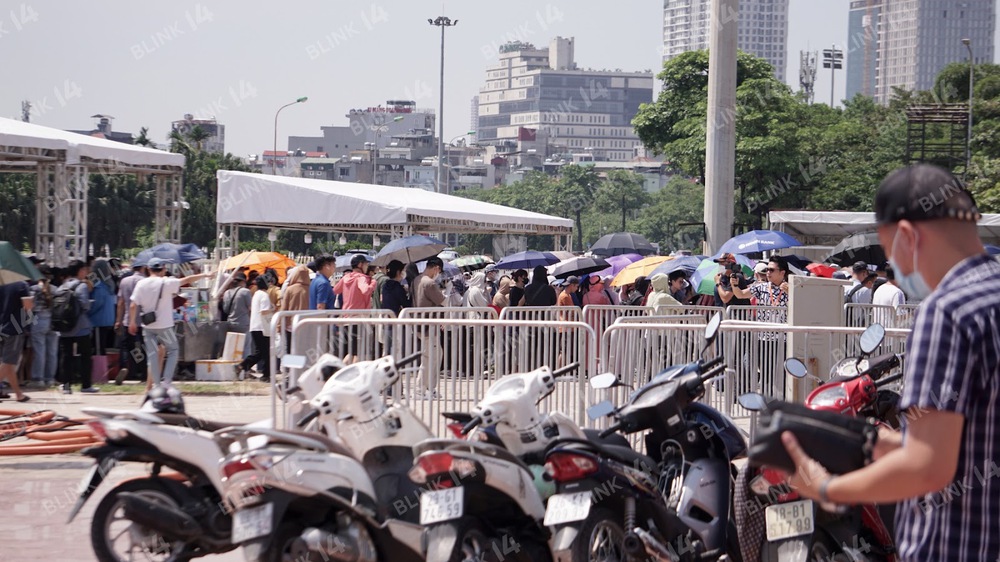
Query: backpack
point(66, 309)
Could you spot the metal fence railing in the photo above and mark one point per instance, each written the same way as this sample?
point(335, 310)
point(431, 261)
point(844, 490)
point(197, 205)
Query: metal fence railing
point(863, 315)
point(462, 357)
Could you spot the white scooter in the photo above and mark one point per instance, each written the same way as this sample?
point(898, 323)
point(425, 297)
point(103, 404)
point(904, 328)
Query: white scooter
point(175, 514)
point(490, 499)
point(340, 494)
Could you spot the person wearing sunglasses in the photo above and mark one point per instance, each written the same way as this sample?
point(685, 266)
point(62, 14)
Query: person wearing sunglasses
point(772, 307)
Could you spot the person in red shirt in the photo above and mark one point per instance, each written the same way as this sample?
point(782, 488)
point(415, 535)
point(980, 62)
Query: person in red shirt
point(357, 288)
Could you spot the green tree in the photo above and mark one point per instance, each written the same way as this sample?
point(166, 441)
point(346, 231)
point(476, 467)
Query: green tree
point(17, 209)
point(622, 189)
point(143, 138)
point(575, 193)
point(198, 135)
point(681, 201)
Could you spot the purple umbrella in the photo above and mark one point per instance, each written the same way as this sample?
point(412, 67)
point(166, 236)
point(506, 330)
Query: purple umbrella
point(618, 263)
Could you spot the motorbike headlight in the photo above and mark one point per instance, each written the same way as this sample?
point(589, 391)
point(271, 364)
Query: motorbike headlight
point(832, 396)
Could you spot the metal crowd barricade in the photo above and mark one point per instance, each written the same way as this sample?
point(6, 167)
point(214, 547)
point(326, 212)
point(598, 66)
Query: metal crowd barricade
point(758, 356)
point(600, 316)
point(706, 312)
point(863, 315)
point(524, 350)
point(448, 376)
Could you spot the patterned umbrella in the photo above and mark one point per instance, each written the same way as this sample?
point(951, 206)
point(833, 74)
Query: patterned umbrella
point(758, 241)
point(471, 263)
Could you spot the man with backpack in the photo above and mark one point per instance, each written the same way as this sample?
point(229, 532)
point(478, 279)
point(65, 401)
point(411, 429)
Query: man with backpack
point(69, 317)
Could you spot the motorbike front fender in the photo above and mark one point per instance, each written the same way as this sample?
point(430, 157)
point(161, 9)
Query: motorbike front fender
point(440, 540)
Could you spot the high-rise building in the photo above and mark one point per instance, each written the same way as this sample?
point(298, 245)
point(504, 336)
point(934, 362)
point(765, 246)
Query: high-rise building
point(474, 114)
point(917, 38)
point(532, 93)
point(862, 47)
point(762, 29)
point(216, 139)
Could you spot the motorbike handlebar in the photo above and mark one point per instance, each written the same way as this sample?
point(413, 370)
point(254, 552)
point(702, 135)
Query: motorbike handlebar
point(877, 366)
point(471, 425)
point(615, 427)
point(712, 373)
point(407, 360)
point(712, 362)
point(567, 369)
point(888, 380)
point(309, 417)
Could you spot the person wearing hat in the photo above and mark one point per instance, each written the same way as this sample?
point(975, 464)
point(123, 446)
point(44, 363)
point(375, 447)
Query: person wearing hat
point(724, 295)
point(356, 288)
point(760, 272)
point(569, 295)
point(859, 292)
point(155, 294)
point(942, 467)
point(131, 360)
point(491, 281)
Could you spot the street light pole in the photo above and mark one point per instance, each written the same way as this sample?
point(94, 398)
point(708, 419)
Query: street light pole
point(968, 140)
point(274, 155)
point(834, 60)
point(442, 22)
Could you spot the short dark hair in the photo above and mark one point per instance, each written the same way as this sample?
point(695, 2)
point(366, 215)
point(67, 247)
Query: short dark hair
point(781, 262)
point(74, 267)
point(261, 282)
point(890, 274)
point(323, 260)
point(859, 267)
point(357, 260)
point(435, 262)
point(394, 267)
point(519, 274)
point(675, 275)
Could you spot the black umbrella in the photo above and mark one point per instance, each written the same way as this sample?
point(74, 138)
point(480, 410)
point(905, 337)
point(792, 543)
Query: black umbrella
point(622, 243)
point(578, 266)
point(858, 247)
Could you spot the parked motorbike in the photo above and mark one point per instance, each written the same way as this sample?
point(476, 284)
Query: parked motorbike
point(340, 493)
point(674, 502)
point(488, 492)
point(790, 528)
point(170, 515)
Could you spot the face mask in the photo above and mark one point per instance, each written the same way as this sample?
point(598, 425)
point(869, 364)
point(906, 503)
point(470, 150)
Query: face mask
point(913, 283)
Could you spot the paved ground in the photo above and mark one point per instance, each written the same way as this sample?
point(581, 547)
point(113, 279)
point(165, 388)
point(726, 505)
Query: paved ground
point(38, 492)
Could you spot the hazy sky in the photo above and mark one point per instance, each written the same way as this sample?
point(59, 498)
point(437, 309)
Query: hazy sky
point(149, 63)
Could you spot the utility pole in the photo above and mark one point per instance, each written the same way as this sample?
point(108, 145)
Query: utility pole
point(834, 60)
point(720, 150)
point(968, 139)
point(443, 22)
point(807, 74)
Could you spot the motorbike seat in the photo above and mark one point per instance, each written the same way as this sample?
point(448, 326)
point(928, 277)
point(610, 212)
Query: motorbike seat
point(331, 445)
point(628, 456)
point(184, 420)
point(618, 439)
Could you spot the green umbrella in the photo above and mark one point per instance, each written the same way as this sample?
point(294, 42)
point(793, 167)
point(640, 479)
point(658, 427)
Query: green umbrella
point(704, 276)
point(14, 267)
point(471, 263)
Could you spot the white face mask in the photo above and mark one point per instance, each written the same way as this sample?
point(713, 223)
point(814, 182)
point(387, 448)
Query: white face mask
point(913, 283)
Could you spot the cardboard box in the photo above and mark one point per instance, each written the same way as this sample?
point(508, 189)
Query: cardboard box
point(215, 370)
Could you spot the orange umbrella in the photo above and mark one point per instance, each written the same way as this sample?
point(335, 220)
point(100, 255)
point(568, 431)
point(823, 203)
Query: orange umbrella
point(260, 261)
point(641, 268)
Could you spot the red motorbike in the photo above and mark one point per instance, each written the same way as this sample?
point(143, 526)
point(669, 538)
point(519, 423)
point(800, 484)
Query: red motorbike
point(775, 524)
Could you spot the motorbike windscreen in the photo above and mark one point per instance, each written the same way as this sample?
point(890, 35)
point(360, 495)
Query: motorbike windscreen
point(721, 425)
point(513, 384)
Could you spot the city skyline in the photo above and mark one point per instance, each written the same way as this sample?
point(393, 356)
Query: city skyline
point(147, 65)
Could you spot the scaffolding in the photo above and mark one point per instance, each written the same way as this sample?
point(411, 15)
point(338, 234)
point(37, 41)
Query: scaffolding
point(63, 164)
point(937, 134)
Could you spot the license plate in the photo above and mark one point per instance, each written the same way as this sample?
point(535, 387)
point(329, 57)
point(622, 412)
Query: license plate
point(441, 505)
point(789, 520)
point(566, 508)
point(252, 522)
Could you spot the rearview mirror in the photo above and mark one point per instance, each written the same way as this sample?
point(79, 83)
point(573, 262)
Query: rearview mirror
point(871, 338)
point(712, 329)
point(600, 410)
point(604, 380)
point(795, 367)
point(752, 401)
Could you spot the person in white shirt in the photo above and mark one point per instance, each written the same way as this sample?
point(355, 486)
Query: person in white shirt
point(889, 294)
point(155, 294)
point(261, 310)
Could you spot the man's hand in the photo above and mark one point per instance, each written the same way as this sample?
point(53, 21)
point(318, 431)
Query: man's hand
point(809, 475)
point(133, 330)
point(784, 287)
point(888, 440)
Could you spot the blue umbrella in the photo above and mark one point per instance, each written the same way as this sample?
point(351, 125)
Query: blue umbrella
point(993, 250)
point(758, 241)
point(527, 260)
point(171, 253)
point(685, 263)
point(409, 249)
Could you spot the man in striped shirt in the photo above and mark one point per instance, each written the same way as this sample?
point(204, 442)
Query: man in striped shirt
point(942, 469)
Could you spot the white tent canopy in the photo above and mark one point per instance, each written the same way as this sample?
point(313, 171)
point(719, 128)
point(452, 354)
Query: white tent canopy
point(830, 227)
point(63, 162)
point(20, 135)
point(257, 200)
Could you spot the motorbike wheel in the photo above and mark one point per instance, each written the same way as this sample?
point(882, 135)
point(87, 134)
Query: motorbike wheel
point(117, 539)
point(471, 543)
point(824, 551)
point(600, 538)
